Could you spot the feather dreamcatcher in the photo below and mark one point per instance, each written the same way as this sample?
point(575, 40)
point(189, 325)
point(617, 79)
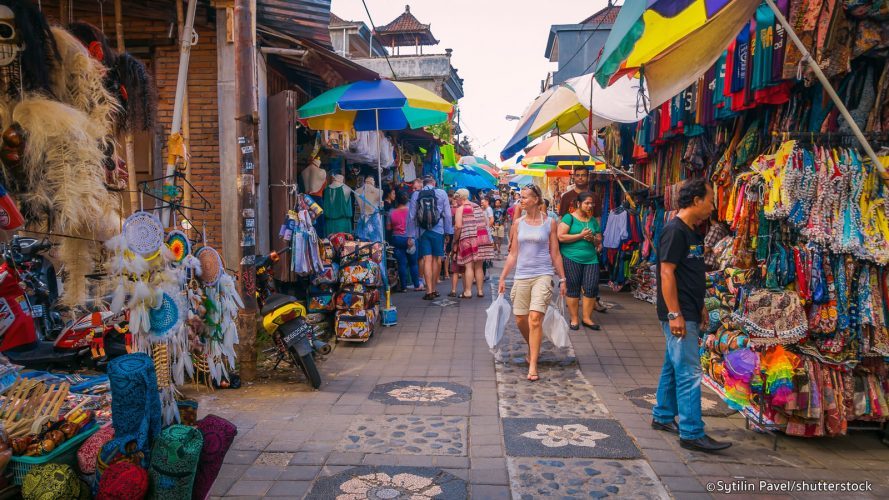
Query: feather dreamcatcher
point(221, 304)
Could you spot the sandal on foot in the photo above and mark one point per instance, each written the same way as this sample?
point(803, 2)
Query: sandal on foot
point(464, 296)
point(592, 326)
point(533, 377)
point(574, 327)
point(452, 294)
point(429, 296)
point(436, 294)
point(481, 294)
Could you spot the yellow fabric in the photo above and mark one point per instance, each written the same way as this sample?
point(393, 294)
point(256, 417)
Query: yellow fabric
point(662, 32)
point(175, 148)
point(418, 97)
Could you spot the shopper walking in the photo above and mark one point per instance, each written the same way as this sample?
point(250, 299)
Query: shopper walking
point(429, 220)
point(405, 247)
point(535, 256)
point(681, 286)
point(474, 244)
point(498, 229)
point(580, 242)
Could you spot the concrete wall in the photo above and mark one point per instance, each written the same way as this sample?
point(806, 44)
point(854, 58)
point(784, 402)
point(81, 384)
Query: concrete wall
point(427, 71)
point(570, 41)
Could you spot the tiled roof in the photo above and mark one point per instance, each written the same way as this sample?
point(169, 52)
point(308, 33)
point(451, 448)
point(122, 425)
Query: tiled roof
point(336, 20)
point(605, 16)
point(405, 22)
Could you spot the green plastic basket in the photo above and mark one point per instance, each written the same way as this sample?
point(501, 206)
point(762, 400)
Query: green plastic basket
point(64, 454)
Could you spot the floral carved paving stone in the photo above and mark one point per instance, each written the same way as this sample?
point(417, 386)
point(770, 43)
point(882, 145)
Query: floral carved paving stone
point(406, 435)
point(408, 392)
point(532, 478)
point(711, 404)
point(389, 482)
point(564, 437)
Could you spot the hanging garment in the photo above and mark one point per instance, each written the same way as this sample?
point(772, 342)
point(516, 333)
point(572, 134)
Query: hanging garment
point(409, 170)
point(616, 230)
point(337, 210)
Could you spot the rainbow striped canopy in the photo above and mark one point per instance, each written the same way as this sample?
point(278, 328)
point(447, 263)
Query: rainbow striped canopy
point(375, 105)
point(672, 41)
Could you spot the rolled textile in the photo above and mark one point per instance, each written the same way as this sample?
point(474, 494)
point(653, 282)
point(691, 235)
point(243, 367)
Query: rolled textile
point(123, 481)
point(53, 482)
point(135, 408)
point(174, 462)
point(218, 434)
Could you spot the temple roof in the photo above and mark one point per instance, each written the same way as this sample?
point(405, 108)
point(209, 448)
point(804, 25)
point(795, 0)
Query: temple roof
point(605, 16)
point(405, 30)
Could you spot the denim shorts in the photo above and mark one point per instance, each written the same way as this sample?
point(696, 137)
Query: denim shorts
point(431, 243)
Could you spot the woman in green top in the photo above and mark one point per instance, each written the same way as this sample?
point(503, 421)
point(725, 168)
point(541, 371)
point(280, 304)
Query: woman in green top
point(581, 240)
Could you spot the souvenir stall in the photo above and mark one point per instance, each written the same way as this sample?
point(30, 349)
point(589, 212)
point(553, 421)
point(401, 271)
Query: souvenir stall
point(66, 95)
point(796, 252)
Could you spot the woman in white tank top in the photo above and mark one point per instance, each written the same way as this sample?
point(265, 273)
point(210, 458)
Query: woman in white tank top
point(534, 254)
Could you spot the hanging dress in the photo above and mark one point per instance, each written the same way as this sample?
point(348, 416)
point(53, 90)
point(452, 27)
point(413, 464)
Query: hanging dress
point(337, 210)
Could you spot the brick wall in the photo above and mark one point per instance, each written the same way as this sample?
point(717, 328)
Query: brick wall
point(150, 40)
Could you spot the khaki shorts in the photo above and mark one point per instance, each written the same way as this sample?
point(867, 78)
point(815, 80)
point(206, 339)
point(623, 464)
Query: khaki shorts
point(531, 294)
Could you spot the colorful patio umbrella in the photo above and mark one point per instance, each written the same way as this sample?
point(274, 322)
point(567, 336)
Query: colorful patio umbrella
point(466, 178)
point(569, 107)
point(564, 147)
point(479, 163)
point(670, 43)
point(375, 105)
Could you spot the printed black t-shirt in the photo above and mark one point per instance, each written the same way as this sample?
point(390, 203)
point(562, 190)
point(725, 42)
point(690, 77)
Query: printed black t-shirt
point(680, 245)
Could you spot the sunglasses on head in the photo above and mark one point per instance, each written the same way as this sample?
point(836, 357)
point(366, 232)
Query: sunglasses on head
point(532, 187)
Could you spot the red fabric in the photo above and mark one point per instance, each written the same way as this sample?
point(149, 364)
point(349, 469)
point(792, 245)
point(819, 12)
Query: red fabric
point(123, 481)
point(16, 326)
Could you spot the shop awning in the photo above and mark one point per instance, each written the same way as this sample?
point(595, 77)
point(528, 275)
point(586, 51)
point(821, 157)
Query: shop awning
point(305, 19)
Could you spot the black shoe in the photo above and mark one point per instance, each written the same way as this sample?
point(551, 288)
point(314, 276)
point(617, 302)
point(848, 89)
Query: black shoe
point(706, 444)
point(672, 428)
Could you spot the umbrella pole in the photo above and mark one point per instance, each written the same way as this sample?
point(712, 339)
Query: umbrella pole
point(884, 176)
point(379, 215)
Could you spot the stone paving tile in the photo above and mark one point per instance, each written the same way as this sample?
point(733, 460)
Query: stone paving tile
point(711, 404)
point(560, 392)
point(412, 435)
point(416, 393)
point(532, 478)
point(390, 482)
point(272, 458)
point(550, 437)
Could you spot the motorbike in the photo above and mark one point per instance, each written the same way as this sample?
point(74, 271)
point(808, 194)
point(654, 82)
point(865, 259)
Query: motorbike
point(37, 276)
point(283, 318)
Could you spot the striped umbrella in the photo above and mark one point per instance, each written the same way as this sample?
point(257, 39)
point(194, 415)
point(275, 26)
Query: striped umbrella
point(375, 105)
point(560, 148)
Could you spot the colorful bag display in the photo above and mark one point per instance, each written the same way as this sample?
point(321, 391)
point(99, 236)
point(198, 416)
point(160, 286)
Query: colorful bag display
point(353, 251)
point(338, 240)
point(327, 276)
point(367, 273)
point(218, 434)
point(320, 302)
point(352, 300)
point(355, 327)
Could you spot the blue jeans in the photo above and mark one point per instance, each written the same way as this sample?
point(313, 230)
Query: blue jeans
point(408, 269)
point(679, 390)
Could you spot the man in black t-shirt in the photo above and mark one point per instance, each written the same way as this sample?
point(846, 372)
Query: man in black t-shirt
point(681, 284)
point(581, 179)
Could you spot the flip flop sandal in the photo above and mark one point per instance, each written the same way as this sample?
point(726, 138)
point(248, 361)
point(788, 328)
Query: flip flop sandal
point(429, 296)
point(452, 294)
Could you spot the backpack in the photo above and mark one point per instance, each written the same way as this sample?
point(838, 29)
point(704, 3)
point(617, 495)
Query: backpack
point(428, 213)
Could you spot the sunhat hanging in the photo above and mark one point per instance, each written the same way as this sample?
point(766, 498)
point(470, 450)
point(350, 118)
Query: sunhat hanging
point(144, 234)
point(211, 265)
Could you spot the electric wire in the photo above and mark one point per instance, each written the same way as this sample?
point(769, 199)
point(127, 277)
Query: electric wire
point(385, 52)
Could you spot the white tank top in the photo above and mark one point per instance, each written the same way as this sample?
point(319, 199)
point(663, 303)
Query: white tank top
point(534, 257)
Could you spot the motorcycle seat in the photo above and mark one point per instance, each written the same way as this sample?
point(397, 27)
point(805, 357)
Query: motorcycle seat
point(275, 301)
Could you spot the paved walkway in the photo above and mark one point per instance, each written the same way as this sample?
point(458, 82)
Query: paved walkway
point(423, 409)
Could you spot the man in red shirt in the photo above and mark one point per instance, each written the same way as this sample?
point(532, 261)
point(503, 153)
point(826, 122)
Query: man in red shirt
point(581, 179)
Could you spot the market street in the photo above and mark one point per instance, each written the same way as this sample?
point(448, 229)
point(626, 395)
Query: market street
point(425, 398)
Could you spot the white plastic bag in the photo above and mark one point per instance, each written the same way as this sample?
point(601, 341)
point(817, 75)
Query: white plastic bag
point(498, 315)
point(554, 325)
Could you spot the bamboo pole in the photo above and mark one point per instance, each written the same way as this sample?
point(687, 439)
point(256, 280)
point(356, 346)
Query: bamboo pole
point(881, 170)
point(186, 124)
point(129, 140)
